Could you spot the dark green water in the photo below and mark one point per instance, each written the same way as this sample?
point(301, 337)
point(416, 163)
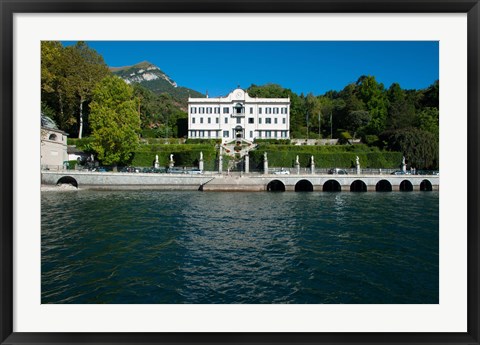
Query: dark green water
point(193, 247)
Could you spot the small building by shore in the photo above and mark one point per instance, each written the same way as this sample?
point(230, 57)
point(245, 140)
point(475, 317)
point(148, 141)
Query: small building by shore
point(53, 143)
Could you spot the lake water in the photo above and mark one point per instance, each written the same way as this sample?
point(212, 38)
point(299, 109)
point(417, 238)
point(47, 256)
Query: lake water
point(198, 247)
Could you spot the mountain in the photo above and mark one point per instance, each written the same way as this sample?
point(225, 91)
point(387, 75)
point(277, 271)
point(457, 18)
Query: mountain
point(154, 79)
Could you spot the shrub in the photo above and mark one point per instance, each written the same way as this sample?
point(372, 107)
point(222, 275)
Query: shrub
point(344, 137)
point(204, 141)
point(72, 164)
point(273, 141)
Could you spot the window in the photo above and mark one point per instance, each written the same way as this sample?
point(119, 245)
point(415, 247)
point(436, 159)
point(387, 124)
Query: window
point(284, 120)
point(238, 108)
point(216, 120)
point(216, 110)
point(251, 110)
point(209, 120)
point(239, 120)
point(209, 110)
point(225, 110)
point(193, 110)
point(202, 134)
point(268, 120)
point(259, 120)
point(201, 120)
point(52, 137)
point(268, 110)
point(251, 120)
point(268, 134)
point(259, 110)
point(275, 110)
point(275, 133)
point(275, 120)
point(193, 120)
point(284, 110)
point(225, 134)
point(208, 134)
point(201, 110)
point(226, 120)
point(251, 134)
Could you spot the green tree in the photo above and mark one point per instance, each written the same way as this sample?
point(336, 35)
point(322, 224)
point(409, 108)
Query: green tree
point(114, 121)
point(54, 92)
point(374, 97)
point(419, 147)
point(356, 120)
point(84, 70)
point(429, 97)
point(428, 120)
point(401, 108)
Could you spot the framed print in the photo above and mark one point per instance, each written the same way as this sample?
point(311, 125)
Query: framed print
point(164, 196)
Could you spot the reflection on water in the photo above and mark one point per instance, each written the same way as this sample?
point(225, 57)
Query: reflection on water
point(191, 247)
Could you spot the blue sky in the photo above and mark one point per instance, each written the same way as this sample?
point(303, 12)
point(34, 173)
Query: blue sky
point(302, 66)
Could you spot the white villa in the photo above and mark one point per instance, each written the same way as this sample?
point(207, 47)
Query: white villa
point(238, 117)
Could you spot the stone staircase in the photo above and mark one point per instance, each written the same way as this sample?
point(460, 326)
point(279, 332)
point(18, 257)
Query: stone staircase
point(245, 147)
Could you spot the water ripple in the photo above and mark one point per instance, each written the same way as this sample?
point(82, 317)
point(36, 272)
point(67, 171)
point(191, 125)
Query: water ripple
point(190, 247)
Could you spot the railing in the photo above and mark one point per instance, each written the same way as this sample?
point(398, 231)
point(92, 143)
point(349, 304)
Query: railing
point(350, 171)
point(53, 167)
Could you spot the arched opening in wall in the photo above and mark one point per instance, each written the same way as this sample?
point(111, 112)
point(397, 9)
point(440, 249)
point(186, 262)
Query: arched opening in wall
point(276, 186)
point(304, 186)
point(406, 186)
point(383, 186)
point(358, 186)
point(426, 186)
point(332, 186)
point(52, 137)
point(68, 180)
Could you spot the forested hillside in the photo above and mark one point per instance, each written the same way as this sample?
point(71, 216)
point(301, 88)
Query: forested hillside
point(389, 118)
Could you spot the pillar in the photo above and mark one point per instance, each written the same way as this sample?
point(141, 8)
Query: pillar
point(265, 163)
point(200, 162)
point(220, 160)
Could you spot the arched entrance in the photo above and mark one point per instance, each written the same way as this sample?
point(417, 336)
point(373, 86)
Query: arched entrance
point(358, 186)
point(276, 186)
point(406, 186)
point(304, 186)
point(238, 133)
point(68, 180)
point(383, 186)
point(332, 186)
point(426, 186)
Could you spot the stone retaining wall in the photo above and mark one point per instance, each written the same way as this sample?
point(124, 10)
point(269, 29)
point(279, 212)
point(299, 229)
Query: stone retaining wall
point(218, 182)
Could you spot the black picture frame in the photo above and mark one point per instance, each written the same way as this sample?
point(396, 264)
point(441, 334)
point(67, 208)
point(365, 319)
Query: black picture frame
point(10, 7)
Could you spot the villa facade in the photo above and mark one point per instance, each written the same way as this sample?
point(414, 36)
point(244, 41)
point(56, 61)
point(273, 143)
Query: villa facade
point(238, 117)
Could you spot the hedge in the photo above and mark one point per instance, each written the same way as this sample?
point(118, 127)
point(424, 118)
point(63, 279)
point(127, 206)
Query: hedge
point(204, 141)
point(387, 160)
point(183, 156)
point(318, 148)
point(272, 141)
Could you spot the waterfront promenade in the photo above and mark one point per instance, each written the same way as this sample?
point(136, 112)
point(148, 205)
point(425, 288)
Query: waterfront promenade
point(242, 182)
